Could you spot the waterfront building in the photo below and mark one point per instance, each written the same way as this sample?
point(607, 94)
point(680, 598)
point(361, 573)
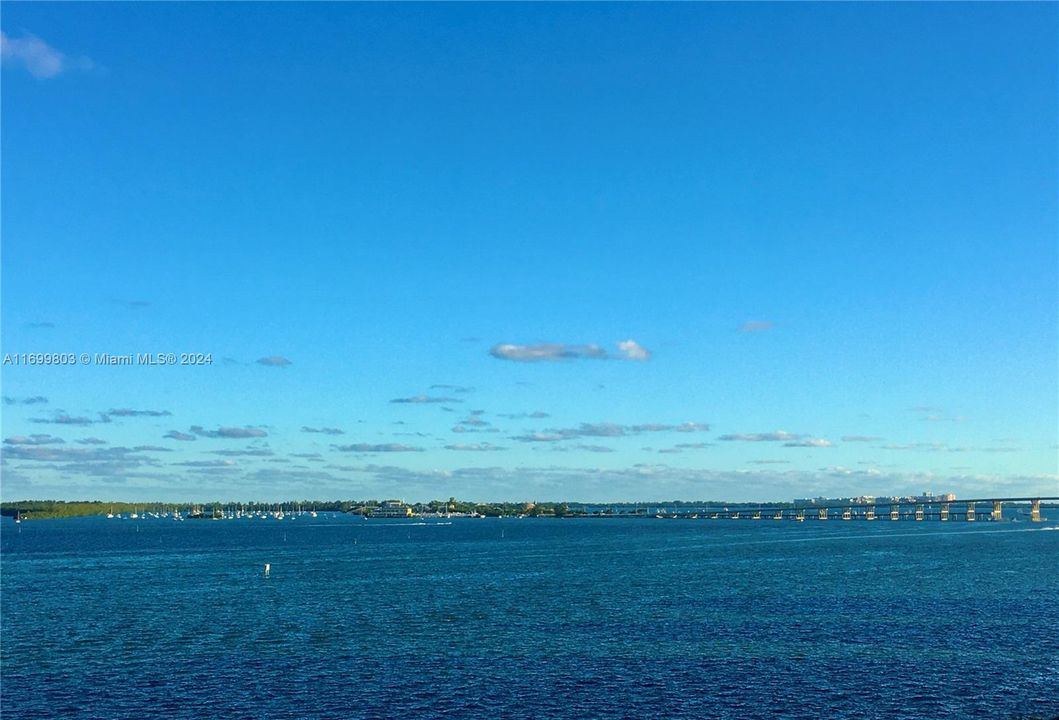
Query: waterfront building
point(391, 509)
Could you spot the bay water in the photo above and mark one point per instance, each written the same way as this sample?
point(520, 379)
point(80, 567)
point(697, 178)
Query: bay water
point(528, 618)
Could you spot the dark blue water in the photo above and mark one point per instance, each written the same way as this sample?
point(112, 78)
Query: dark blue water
point(529, 619)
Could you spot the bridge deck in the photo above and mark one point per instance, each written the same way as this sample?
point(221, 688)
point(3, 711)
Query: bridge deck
point(882, 509)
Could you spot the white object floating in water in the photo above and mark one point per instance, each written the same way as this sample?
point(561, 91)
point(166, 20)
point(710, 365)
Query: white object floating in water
point(268, 569)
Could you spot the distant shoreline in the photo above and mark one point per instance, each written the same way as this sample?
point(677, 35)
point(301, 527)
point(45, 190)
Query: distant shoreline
point(889, 508)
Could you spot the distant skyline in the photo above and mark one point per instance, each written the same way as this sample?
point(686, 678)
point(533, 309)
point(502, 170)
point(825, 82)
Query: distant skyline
point(583, 252)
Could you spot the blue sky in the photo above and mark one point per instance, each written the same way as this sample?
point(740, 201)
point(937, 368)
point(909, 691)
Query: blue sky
point(824, 236)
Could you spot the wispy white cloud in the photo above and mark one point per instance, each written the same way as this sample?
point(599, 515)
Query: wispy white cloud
point(62, 418)
point(91, 461)
point(475, 447)
point(273, 361)
point(809, 443)
point(681, 447)
point(474, 425)
point(607, 429)
point(454, 388)
point(555, 352)
point(246, 452)
point(692, 427)
point(755, 326)
point(538, 437)
point(922, 446)
point(578, 448)
point(777, 436)
point(323, 430)
point(593, 430)
point(632, 350)
point(229, 432)
point(788, 439)
point(548, 352)
point(130, 304)
point(933, 413)
point(379, 448)
point(38, 439)
point(209, 464)
point(126, 412)
point(39, 58)
point(35, 400)
point(177, 435)
point(593, 448)
point(944, 447)
point(536, 415)
point(939, 417)
point(425, 400)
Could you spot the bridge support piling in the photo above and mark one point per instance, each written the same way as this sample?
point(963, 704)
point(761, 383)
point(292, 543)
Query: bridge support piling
point(998, 510)
point(895, 512)
point(822, 514)
point(944, 512)
point(919, 512)
point(870, 514)
point(847, 514)
point(1035, 511)
point(970, 512)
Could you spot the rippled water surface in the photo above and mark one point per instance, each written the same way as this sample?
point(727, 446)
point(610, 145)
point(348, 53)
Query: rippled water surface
point(528, 619)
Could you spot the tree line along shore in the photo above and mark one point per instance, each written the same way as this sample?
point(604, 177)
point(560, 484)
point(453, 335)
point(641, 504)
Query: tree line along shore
point(46, 509)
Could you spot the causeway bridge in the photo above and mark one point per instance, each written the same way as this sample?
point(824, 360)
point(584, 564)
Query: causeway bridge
point(975, 509)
